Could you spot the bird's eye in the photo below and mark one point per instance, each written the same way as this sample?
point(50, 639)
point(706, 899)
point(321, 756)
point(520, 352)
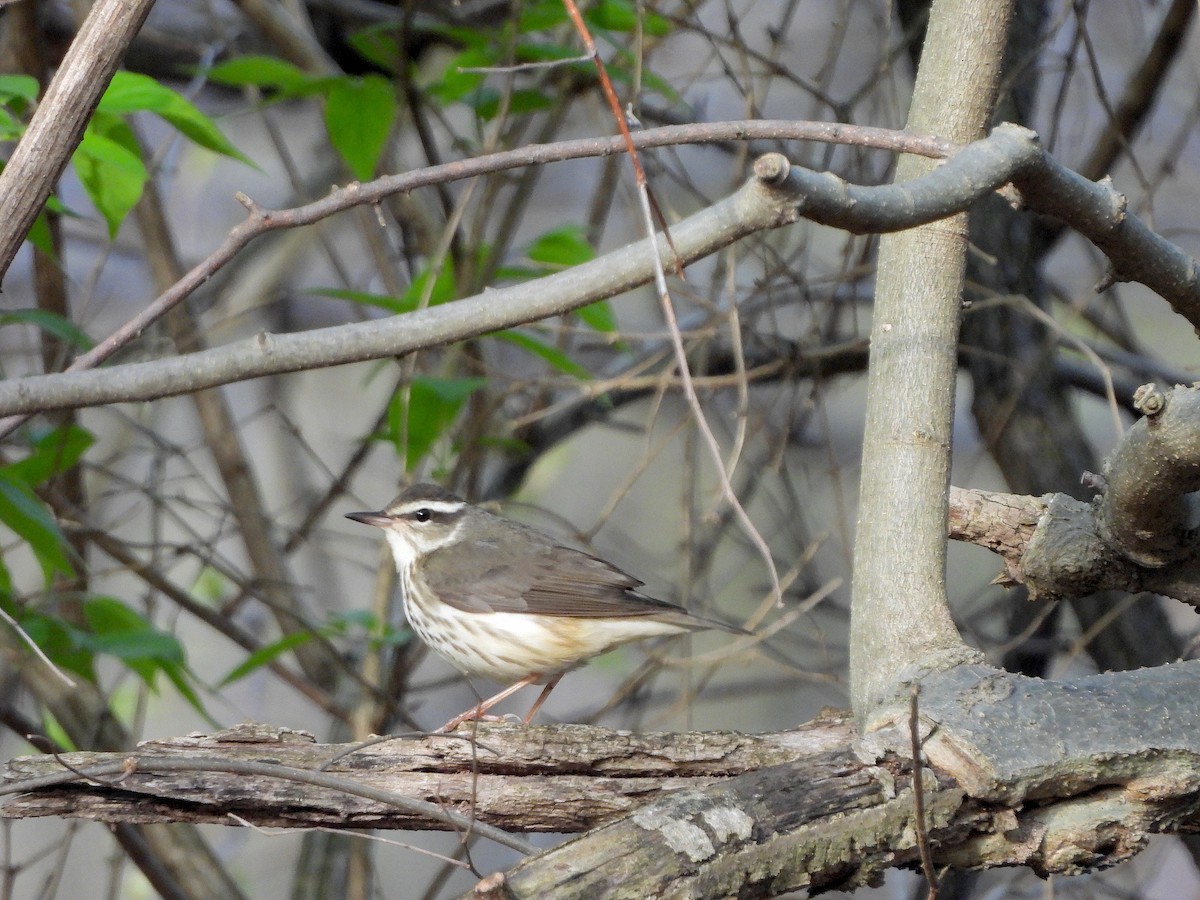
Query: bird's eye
point(423, 515)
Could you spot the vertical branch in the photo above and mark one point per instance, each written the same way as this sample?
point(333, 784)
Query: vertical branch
point(900, 617)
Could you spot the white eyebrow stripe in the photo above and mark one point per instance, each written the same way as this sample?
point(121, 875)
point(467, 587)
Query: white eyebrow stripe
point(446, 507)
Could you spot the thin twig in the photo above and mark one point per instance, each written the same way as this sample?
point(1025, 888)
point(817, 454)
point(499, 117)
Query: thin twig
point(25, 638)
point(651, 213)
point(914, 730)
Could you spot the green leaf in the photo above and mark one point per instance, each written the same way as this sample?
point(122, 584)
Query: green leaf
point(132, 92)
point(455, 85)
point(622, 15)
point(52, 453)
point(51, 323)
point(378, 45)
point(118, 630)
point(210, 586)
point(487, 102)
point(18, 90)
point(541, 15)
point(381, 301)
point(28, 517)
point(110, 172)
point(545, 351)
point(56, 733)
point(598, 316)
point(17, 94)
point(433, 404)
point(359, 113)
point(62, 642)
point(11, 128)
point(562, 247)
point(265, 72)
point(264, 655)
point(444, 289)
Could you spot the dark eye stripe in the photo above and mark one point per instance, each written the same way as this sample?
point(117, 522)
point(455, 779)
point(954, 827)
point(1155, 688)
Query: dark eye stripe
point(423, 514)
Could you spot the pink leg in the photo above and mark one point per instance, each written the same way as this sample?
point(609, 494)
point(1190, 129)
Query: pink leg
point(537, 704)
point(477, 711)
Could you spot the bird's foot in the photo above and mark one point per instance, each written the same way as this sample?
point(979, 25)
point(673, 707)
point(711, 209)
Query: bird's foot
point(474, 714)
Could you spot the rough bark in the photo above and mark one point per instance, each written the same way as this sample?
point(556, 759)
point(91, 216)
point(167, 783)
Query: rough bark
point(1016, 771)
point(1137, 534)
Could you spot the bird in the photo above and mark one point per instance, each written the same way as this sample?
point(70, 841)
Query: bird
point(499, 599)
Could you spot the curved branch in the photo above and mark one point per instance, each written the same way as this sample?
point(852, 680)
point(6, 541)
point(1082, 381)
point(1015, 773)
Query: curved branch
point(779, 195)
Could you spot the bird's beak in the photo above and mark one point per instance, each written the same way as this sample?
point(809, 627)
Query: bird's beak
point(379, 519)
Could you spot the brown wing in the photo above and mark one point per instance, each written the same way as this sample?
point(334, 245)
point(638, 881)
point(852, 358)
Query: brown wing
point(550, 579)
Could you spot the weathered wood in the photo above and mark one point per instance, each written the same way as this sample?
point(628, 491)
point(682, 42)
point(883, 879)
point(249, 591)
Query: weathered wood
point(1060, 777)
point(565, 778)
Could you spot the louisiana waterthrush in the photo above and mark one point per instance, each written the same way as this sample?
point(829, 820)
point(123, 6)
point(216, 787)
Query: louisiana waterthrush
point(501, 599)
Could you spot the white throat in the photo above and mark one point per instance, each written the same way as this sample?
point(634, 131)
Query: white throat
point(403, 550)
point(409, 544)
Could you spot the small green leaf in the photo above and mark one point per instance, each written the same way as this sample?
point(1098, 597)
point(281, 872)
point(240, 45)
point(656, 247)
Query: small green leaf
point(117, 630)
point(598, 316)
point(541, 15)
point(132, 92)
point(264, 655)
point(456, 84)
point(381, 301)
point(545, 351)
point(210, 586)
point(20, 88)
point(147, 645)
point(444, 289)
point(51, 454)
point(110, 172)
point(378, 45)
point(28, 517)
point(265, 72)
point(622, 15)
point(55, 732)
point(63, 643)
point(562, 247)
point(433, 404)
point(6, 589)
point(359, 113)
point(487, 102)
point(10, 128)
point(51, 323)
point(39, 236)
